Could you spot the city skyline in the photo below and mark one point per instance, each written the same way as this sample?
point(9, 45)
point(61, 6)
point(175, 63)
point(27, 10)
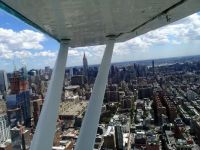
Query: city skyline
point(22, 44)
point(136, 103)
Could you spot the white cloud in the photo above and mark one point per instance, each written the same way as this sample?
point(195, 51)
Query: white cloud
point(46, 54)
point(24, 39)
point(90, 51)
point(21, 44)
point(73, 52)
point(5, 52)
point(22, 54)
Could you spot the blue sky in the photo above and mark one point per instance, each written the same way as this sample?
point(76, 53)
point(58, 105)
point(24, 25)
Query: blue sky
point(21, 44)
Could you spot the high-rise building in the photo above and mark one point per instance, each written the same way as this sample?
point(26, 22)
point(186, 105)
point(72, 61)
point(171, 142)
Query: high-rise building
point(21, 138)
point(78, 80)
point(109, 138)
point(18, 101)
point(47, 69)
point(85, 66)
point(153, 67)
point(36, 106)
point(145, 92)
point(119, 137)
point(4, 126)
point(19, 108)
point(18, 83)
point(3, 81)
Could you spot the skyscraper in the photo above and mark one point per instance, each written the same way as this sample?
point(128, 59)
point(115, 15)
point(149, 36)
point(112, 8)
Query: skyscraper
point(3, 81)
point(85, 66)
point(4, 127)
point(153, 67)
point(19, 99)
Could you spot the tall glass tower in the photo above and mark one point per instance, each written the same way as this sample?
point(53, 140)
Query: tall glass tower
point(85, 66)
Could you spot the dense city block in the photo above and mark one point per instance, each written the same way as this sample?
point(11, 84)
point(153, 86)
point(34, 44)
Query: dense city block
point(148, 105)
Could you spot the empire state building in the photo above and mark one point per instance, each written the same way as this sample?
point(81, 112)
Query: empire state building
point(85, 66)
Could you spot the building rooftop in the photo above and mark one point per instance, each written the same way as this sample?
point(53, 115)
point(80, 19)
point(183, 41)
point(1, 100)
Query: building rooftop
point(72, 109)
point(170, 138)
point(58, 148)
point(3, 108)
point(70, 133)
point(72, 87)
point(110, 131)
